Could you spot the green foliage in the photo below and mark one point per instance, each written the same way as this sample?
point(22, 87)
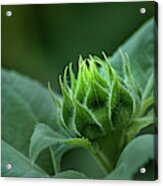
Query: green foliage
point(142, 146)
point(141, 56)
point(21, 165)
point(23, 104)
point(44, 137)
point(103, 109)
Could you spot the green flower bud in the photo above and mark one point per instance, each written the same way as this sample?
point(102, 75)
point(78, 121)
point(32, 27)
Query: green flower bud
point(101, 106)
point(94, 104)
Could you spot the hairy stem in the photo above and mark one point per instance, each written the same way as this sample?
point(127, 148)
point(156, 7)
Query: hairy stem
point(107, 150)
point(103, 163)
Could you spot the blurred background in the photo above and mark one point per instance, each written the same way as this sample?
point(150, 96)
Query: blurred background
point(39, 40)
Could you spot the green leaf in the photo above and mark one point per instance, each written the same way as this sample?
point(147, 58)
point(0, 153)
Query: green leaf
point(146, 104)
point(72, 78)
point(130, 82)
point(24, 103)
point(97, 97)
point(34, 94)
point(120, 105)
point(141, 56)
point(82, 86)
point(138, 124)
point(67, 108)
point(71, 174)
point(138, 152)
point(21, 165)
point(44, 137)
point(97, 101)
point(89, 127)
point(148, 88)
point(95, 72)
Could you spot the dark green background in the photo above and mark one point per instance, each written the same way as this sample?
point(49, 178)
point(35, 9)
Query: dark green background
point(39, 40)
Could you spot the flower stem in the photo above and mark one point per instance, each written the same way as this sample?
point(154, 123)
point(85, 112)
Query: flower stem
point(103, 164)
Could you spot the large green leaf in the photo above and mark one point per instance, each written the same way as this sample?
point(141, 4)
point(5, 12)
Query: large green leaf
point(44, 137)
point(138, 152)
point(24, 103)
point(140, 48)
point(21, 166)
point(34, 94)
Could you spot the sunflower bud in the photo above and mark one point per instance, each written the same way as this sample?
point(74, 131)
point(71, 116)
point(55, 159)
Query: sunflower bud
point(94, 104)
point(101, 106)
